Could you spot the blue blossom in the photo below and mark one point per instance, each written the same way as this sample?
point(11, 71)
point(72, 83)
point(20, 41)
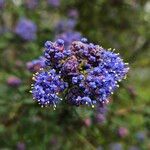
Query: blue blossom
point(47, 87)
point(123, 132)
point(70, 66)
point(100, 113)
point(69, 37)
point(75, 97)
point(65, 26)
point(14, 81)
point(91, 72)
point(26, 29)
point(54, 53)
point(74, 80)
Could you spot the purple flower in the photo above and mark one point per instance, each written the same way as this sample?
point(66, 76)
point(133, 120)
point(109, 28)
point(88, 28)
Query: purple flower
point(2, 3)
point(31, 4)
point(91, 73)
point(54, 53)
point(65, 25)
point(123, 132)
point(13, 81)
point(69, 37)
point(101, 76)
point(100, 114)
point(70, 66)
point(73, 13)
point(47, 88)
point(54, 3)
point(21, 146)
point(36, 65)
point(100, 118)
point(26, 29)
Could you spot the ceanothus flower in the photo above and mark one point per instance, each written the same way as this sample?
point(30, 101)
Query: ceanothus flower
point(54, 53)
point(47, 87)
point(69, 37)
point(100, 114)
point(26, 29)
point(14, 81)
point(70, 66)
point(123, 132)
point(36, 65)
point(91, 72)
point(65, 25)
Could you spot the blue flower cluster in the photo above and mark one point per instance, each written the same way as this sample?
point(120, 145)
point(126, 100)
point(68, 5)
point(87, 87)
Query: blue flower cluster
point(91, 73)
point(54, 53)
point(47, 88)
point(26, 29)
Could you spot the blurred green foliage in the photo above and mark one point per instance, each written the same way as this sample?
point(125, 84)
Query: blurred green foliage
point(120, 24)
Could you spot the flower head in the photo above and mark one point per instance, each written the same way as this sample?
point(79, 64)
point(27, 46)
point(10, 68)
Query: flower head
point(91, 72)
point(47, 87)
point(69, 37)
point(123, 132)
point(26, 29)
point(36, 65)
point(65, 25)
point(13, 81)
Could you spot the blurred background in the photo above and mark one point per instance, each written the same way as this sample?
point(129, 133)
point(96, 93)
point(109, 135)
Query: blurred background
point(25, 25)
